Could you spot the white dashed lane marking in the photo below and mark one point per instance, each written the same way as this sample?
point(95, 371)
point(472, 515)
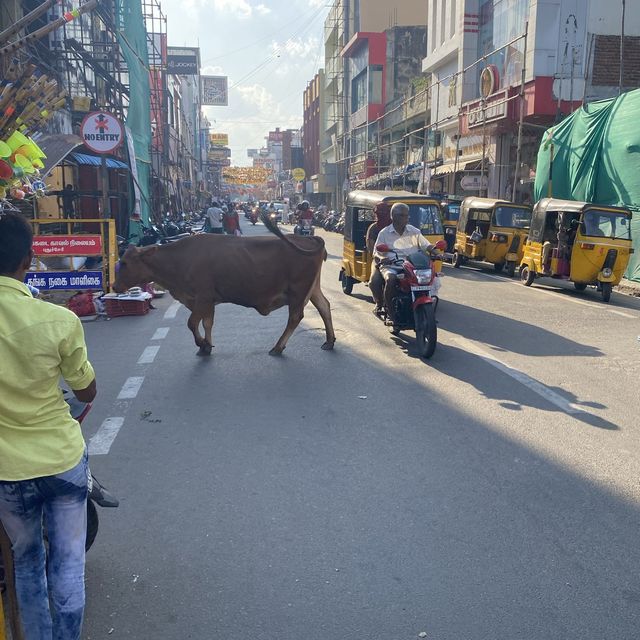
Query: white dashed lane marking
point(101, 442)
point(172, 311)
point(160, 334)
point(149, 355)
point(130, 388)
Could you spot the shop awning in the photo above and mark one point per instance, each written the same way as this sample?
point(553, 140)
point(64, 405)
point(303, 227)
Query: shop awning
point(56, 148)
point(96, 161)
point(443, 169)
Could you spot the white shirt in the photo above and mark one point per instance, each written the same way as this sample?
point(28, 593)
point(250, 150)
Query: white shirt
point(404, 245)
point(215, 214)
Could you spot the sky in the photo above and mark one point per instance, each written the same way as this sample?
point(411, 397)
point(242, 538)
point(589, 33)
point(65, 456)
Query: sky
point(269, 49)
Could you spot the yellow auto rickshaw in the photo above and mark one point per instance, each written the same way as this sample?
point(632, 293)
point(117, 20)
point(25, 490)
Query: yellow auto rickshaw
point(587, 244)
point(450, 216)
point(424, 213)
point(491, 230)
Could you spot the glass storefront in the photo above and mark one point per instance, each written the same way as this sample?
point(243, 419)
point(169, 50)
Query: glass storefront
point(500, 22)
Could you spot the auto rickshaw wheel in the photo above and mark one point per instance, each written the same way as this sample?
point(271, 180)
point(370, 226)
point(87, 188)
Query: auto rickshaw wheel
point(579, 286)
point(607, 287)
point(347, 283)
point(498, 267)
point(457, 259)
point(526, 275)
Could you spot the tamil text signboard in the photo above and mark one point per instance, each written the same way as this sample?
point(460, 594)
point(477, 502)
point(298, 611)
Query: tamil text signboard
point(214, 91)
point(101, 132)
point(80, 245)
point(219, 139)
point(50, 280)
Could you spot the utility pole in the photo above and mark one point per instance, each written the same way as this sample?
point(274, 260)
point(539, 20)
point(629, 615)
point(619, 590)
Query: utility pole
point(622, 49)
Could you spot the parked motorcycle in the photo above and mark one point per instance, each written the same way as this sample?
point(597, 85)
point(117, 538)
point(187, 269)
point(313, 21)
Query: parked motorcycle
point(416, 299)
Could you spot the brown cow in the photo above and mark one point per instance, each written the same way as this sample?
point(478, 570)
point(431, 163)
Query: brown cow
point(260, 272)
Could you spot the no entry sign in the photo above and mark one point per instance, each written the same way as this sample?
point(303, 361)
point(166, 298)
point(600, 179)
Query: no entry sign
point(102, 132)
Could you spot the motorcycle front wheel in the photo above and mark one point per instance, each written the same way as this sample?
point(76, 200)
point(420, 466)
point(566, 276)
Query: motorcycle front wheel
point(426, 330)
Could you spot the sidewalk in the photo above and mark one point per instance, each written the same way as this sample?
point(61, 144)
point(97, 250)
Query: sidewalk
point(629, 287)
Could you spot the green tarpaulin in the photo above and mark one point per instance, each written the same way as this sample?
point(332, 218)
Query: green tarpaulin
point(596, 158)
point(132, 37)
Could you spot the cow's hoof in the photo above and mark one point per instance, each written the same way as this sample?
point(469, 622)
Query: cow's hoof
point(276, 352)
point(328, 346)
point(205, 350)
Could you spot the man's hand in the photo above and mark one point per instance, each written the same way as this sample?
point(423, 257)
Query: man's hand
point(87, 394)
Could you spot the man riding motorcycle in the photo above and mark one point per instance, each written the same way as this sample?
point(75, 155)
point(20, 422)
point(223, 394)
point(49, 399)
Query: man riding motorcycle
point(402, 239)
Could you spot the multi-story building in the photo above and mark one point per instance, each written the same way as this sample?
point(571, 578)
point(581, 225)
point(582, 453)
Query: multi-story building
point(345, 19)
point(482, 54)
point(313, 133)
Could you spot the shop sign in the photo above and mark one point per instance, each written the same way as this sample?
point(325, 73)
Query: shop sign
point(214, 91)
point(101, 132)
point(67, 245)
point(219, 153)
point(183, 61)
point(494, 110)
point(358, 167)
point(219, 139)
point(50, 280)
point(473, 182)
point(298, 174)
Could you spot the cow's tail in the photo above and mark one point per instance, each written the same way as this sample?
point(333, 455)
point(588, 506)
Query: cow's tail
point(273, 227)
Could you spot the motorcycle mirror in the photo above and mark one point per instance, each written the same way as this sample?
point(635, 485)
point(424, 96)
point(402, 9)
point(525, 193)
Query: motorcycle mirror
point(382, 247)
point(441, 245)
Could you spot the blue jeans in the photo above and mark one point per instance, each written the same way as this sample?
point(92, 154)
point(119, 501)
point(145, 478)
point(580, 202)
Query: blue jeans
point(63, 501)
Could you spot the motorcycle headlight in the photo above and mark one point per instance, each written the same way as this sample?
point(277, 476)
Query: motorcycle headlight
point(607, 273)
point(423, 276)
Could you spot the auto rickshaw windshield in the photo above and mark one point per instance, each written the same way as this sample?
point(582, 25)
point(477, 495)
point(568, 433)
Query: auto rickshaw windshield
point(452, 212)
point(512, 217)
point(607, 224)
point(426, 217)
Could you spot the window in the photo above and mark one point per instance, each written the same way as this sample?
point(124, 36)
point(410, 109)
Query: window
point(512, 217)
point(359, 91)
point(606, 224)
point(375, 84)
point(427, 218)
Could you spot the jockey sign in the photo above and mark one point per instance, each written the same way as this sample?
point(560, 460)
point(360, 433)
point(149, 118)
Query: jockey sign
point(101, 132)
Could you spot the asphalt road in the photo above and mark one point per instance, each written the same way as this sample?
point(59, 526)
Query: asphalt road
point(489, 494)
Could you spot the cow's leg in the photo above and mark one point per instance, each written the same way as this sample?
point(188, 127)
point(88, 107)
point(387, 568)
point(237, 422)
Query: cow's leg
point(295, 317)
point(207, 323)
point(201, 313)
point(319, 301)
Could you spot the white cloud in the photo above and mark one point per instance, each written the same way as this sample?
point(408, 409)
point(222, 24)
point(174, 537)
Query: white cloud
point(239, 8)
point(262, 9)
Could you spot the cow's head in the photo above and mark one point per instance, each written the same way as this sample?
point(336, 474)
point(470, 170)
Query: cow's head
point(132, 269)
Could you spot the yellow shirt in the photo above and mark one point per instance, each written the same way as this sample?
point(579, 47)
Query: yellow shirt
point(39, 343)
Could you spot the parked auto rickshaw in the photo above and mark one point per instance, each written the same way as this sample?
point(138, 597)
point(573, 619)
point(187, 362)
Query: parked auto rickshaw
point(424, 213)
point(491, 230)
point(587, 244)
point(450, 216)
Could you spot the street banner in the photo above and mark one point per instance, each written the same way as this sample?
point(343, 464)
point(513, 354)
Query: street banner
point(214, 91)
point(84, 245)
point(51, 280)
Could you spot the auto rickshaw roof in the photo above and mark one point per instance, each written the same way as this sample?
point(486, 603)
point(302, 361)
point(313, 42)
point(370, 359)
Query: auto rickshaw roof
point(473, 202)
point(574, 206)
point(370, 198)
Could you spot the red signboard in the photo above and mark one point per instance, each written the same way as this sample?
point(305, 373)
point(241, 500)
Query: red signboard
point(67, 245)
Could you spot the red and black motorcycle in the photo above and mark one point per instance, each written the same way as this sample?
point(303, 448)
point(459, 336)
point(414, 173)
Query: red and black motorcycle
point(416, 299)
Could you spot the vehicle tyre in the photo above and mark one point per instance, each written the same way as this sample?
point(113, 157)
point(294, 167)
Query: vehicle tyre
point(498, 267)
point(426, 330)
point(457, 259)
point(579, 286)
point(607, 287)
point(526, 275)
point(510, 269)
point(92, 524)
point(347, 283)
